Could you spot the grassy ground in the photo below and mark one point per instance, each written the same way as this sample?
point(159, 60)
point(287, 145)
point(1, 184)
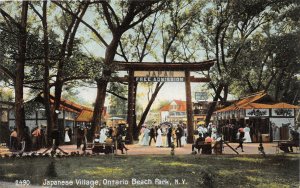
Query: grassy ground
point(197, 171)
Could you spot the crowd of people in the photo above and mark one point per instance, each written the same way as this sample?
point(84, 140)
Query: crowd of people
point(114, 136)
point(163, 135)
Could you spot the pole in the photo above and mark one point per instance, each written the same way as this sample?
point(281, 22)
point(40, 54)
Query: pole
point(130, 107)
point(189, 109)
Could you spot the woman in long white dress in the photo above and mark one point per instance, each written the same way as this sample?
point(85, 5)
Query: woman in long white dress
point(183, 138)
point(103, 135)
point(141, 137)
point(67, 138)
point(247, 135)
point(159, 138)
point(145, 140)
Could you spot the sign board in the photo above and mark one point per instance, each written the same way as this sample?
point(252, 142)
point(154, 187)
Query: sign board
point(281, 122)
point(201, 96)
point(257, 112)
point(159, 76)
point(283, 112)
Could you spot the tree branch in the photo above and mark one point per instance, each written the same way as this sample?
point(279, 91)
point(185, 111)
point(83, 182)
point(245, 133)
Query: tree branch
point(5, 15)
point(111, 26)
point(113, 13)
point(115, 94)
point(7, 72)
point(85, 23)
point(122, 51)
point(73, 33)
point(34, 10)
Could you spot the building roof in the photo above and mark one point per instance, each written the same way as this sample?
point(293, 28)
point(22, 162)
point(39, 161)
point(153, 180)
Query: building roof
point(181, 106)
point(244, 102)
point(85, 116)
point(285, 105)
point(70, 104)
point(252, 102)
point(165, 108)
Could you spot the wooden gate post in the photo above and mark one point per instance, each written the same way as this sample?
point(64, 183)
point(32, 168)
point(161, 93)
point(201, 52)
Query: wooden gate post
point(189, 109)
point(130, 106)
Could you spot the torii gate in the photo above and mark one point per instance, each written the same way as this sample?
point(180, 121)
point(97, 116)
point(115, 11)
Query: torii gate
point(163, 72)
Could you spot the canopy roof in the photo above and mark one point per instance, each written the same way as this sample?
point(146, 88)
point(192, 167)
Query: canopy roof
point(85, 116)
point(252, 102)
point(84, 113)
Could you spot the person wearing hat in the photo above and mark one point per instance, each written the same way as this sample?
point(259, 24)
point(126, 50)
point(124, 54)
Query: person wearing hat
point(179, 134)
point(169, 136)
point(159, 138)
point(145, 140)
point(152, 135)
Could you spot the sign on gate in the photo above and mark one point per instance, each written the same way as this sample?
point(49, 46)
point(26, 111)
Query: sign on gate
point(201, 96)
point(159, 76)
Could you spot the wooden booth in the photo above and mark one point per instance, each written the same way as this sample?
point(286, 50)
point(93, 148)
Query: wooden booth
point(263, 116)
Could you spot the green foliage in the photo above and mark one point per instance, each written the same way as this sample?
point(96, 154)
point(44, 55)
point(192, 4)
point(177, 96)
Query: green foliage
point(118, 106)
point(6, 95)
point(256, 44)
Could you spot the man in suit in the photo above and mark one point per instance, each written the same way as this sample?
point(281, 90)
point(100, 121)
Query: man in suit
point(179, 133)
point(169, 135)
point(152, 134)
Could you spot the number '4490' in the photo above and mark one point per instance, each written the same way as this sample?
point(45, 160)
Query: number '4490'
point(22, 182)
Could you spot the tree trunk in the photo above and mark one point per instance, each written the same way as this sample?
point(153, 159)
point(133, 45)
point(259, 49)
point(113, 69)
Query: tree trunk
point(134, 125)
point(146, 111)
point(57, 98)
point(46, 89)
point(67, 46)
point(103, 82)
point(278, 86)
point(213, 105)
point(21, 59)
point(99, 104)
point(225, 91)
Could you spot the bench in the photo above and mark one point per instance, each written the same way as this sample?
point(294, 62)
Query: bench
point(284, 145)
point(100, 147)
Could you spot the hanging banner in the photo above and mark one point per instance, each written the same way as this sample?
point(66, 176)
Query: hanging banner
point(159, 76)
point(257, 112)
